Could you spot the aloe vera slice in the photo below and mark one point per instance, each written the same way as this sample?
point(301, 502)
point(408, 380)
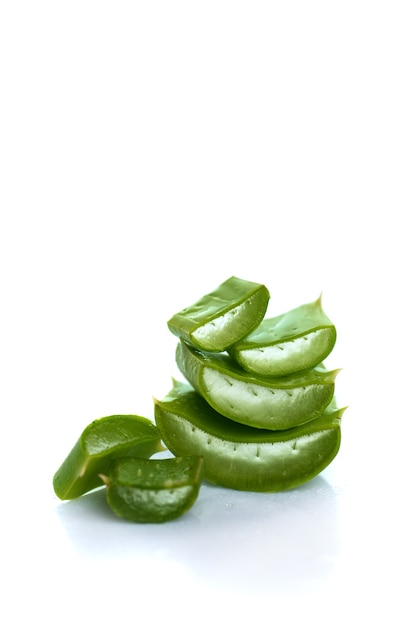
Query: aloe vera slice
point(100, 442)
point(261, 402)
point(151, 490)
point(223, 316)
point(241, 457)
point(289, 343)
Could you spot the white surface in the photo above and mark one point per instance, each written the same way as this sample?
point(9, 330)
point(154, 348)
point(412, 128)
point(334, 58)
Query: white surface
point(149, 151)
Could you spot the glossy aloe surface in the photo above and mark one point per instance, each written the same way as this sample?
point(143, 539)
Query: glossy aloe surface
point(292, 342)
point(241, 457)
point(153, 490)
point(100, 442)
point(223, 316)
point(261, 402)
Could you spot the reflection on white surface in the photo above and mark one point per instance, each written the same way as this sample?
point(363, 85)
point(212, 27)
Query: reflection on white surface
point(222, 541)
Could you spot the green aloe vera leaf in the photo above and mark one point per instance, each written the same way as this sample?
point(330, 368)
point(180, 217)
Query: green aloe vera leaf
point(261, 402)
point(223, 316)
point(292, 342)
point(242, 457)
point(153, 490)
point(101, 441)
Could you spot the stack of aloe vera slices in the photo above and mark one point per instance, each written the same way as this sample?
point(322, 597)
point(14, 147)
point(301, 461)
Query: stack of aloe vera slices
point(255, 412)
point(258, 403)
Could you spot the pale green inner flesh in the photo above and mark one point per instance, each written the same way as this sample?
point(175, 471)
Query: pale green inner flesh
point(151, 499)
point(293, 355)
point(257, 452)
point(218, 324)
point(151, 505)
point(257, 465)
point(253, 404)
point(227, 328)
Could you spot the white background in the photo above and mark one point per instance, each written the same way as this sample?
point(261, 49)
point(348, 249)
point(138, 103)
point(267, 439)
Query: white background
point(148, 151)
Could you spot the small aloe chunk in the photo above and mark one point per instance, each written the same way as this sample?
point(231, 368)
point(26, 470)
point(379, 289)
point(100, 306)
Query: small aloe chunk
point(223, 316)
point(261, 402)
point(292, 342)
point(153, 490)
point(241, 457)
point(100, 442)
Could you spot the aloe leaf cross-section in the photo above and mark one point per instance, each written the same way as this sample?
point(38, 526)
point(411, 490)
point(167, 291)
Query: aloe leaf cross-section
point(223, 316)
point(241, 457)
point(153, 490)
point(101, 441)
point(257, 401)
point(289, 343)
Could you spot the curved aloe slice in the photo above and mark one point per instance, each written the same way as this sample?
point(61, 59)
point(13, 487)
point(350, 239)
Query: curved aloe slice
point(261, 402)
point(151, 490)
point(100, 442)
point(223, 316)
point(241, 457)
point(292, 342)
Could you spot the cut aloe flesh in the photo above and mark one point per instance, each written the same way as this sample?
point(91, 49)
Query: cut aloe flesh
point(261, 402)
point(241, 457)
point(100, 442)
point(223, 316)
point(151, 490)
point(292, 342)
